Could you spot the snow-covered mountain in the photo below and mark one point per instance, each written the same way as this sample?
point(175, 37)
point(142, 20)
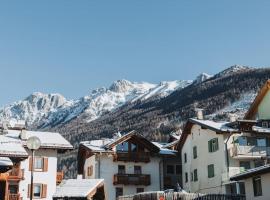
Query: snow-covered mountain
point(47, 110)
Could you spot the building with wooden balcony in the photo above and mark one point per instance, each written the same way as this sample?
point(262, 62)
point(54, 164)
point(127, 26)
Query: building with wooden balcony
point(15, 181)
point(128, 164)
point(213, 151)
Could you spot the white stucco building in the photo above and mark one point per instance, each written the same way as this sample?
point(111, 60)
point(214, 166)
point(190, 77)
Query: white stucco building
point(17, 182)
point(213, 152)
point(128, 164)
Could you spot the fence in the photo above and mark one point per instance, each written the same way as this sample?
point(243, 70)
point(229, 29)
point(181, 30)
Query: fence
point(180, 196)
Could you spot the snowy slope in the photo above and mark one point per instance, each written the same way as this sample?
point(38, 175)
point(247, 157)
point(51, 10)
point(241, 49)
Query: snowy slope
point(47, 110)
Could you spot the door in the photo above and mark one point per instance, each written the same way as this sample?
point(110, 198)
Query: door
point(2, 190)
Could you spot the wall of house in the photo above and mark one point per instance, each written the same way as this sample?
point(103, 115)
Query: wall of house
point(200, 138)
point(108, 168)
point(91, 161)
point(264, 107)
point(175, 177)
point(265, 178)
point(48, 178)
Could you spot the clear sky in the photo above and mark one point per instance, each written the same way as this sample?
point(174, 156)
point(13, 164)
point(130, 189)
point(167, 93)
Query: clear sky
point(71, 47)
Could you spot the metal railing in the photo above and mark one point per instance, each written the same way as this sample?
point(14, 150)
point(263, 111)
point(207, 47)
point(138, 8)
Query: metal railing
point(132, 179)
point(132, 156)
point(249, 151)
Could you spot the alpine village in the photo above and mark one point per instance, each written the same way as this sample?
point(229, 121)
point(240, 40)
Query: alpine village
point(212, 142)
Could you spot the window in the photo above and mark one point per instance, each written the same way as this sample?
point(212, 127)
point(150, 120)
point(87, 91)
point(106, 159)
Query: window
point(195, 175)
point(170, 169)
point(122, 147)
point(38, 163)
point(121, 169)
point(13, 189)
point(195, 152)
point(244, 165)
point(257, 186)
point(258, 163)
point(139, 190)
point(118, 192)
point(137, 170)
point(191, 176)
point(37, 191)
point(261, 142)
point(211, 171)
point(265, 124)
point(178, 169)
point(185, 157)
point(242, 141)
point(213, 145)
point(90, 171)
point(186, 177)
point(251, 141)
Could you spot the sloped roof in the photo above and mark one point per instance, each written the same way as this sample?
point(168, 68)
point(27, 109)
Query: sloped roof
point(78, 187)
point(251, 172)
point(250, 114)
point(5, 161)
point(48, 139)
point(11, 147)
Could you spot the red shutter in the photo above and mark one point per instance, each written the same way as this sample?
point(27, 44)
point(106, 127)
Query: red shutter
point(30, 163)
point(45, 164)
point(44, 191)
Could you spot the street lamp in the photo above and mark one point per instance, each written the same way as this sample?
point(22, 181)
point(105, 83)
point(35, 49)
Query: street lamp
point(33, 143)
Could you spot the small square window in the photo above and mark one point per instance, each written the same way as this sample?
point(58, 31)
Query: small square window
point(137, 170)
point(121, 169)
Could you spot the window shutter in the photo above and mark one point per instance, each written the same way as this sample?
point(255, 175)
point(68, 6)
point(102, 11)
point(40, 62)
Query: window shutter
point(209, 146)
point(45, 164)
point(28, 191)
point(30, 163)
point(44, 191)
point(217, 143)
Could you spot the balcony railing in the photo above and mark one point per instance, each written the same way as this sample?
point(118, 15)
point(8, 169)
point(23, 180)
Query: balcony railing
point(131, 179)
point(249, 151)
point(59, 177)
point(14, 197)
point(132, 157)
point(16, 173)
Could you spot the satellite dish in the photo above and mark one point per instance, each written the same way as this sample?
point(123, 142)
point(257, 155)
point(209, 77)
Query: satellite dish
point(33, 143)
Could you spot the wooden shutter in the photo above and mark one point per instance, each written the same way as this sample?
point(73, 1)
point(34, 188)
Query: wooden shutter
point(28, 191)
point(44, 191)
point(30, 163)
point(210, 145)
point(45, 164)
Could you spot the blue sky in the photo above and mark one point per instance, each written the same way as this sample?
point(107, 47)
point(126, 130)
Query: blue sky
point(71, 47)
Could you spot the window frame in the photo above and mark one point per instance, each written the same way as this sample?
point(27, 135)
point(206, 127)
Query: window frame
point(195, 152)
point(124, 169)
point(40, 186)
point(186, 177)
point(195, 175)
point(117, 191)
point(257, 180)
point(185, 157)
point(213, 145)
point(138, 170)
point(211, 170)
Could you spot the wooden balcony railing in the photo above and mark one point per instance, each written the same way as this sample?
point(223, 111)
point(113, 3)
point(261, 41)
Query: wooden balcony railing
point(14, 197)
point(16, 174)
point(59, 177)
point(132, 179)
point(249, 151)
point(132, 157)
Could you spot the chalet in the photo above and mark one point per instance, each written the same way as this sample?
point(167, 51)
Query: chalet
point(81, 189)
point(17, 180)
point(213, 152)
point(128, 164)
point(257, 181)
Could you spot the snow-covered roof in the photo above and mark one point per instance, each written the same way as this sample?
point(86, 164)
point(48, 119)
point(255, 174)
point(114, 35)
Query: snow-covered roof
point(4, 161)
point(77, 187)
point(252, 172)
point(217, 126)
point(260, 129)
point(11, 147)
point(48, 139)
point(97, 145)
point(163, 150)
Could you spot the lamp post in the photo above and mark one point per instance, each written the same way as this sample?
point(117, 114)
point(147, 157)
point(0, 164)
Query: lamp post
point(33, 143)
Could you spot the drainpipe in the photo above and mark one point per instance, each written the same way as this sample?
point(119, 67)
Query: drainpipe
point(98, 166)
point(160, 173)
point(227, 152)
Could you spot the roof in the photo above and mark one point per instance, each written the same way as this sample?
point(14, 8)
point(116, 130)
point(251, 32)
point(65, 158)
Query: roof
point(4, 161)
point(163, 150)
point(258, 99)
point(251, 172)
point(218, 127)
point(78, 187)
point(97, 145)
point(11, 147)
point(49, 140)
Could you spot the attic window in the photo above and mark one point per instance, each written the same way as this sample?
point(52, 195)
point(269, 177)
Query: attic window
point(122, 147)
point(265, 124)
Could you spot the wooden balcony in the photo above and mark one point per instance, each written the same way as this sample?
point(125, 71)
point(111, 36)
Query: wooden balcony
point(59, 177)
point(16, 174)
point(132, 179)
point(132, 157)
point(14, 197)
point(245, 152)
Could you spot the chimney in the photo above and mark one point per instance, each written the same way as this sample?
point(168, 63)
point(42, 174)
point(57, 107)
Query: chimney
point(23, 134)
point(232, 117)
point(199, 113)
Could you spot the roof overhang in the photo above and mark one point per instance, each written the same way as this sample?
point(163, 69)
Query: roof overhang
point(251, 173)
